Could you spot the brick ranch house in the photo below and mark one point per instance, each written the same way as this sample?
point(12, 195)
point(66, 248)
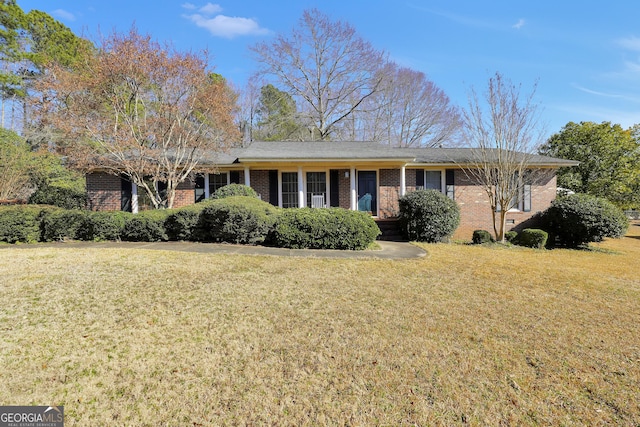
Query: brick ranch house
point(351, 175)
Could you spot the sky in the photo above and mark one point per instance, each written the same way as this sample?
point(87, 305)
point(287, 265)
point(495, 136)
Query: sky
point(583, 56)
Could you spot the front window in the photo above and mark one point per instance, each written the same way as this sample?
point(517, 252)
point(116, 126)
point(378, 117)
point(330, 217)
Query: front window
point(289, 189)
point(217, 180)
point(316, 189)
point(433, 180)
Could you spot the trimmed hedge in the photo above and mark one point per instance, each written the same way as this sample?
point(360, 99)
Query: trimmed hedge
point(237, 219)
point(105, 225)
point(63, 197)
point(332, 228)
point(231, 190)
point(146, 226)
point(533, 238)
point(481, 236)
point(186, 223)
point(579, 219)
point(21, 223)
point(428, 216)
point(61, 224)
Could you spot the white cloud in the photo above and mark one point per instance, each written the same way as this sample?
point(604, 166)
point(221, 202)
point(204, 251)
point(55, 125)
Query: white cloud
point(630, 43)
point(227, 26)
point(211, 9)
point(63, 14)
point(189, 6)
point(519, 24)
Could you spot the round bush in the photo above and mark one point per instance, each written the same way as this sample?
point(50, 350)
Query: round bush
point(481, 236)
point(238, 219)
point(428, 216)
point(146, 226)
point(234, 190)
point(511, 236)
point(579, 219)
point(533, 238)
point(332, 228)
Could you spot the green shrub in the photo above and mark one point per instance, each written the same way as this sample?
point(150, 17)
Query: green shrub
point(21, 223)
point(332, 228)
point(511, 236)
point(238, 219)
point(428, 216)
point(579, 219)
point(60, 224)
point(481, 236)
point(105, 225)
point(63, 197)
point(234, 190)
point(533, 238)
point(185, 223)
point(146, 226)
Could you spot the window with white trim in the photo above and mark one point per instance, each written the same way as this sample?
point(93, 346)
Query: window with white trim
point(289, 189)
point(316, 189)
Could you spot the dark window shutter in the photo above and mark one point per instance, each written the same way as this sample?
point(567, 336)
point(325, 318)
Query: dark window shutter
point(334, 192)
point(419, 178)
point(199, 188)
point(450, 183)
point(125, 195)
point(273, 187)
point(234, 177)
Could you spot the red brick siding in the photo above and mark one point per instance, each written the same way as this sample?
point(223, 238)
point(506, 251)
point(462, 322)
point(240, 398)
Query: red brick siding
point(260, 183)
point(389, 192)
point(185, 194)
point(475, 212)
point(103, 191)
point(344, 189)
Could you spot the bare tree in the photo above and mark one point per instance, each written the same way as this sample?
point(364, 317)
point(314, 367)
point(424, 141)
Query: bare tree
point(413, 111)
point(139, 109)
point(326, 65)
point(503, 129)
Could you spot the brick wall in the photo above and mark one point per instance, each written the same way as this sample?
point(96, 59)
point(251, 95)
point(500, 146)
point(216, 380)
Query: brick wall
point(103, 191)
point(475, 212)
point(185, 194)
point(389, 192)
point(344, 189)
point(260, 183)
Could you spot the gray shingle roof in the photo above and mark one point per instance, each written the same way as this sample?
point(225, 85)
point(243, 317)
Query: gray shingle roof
point(259, 151)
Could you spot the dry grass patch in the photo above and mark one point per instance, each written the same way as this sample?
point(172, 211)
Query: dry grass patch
point(468, 335)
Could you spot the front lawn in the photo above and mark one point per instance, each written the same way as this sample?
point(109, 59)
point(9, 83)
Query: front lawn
point(467, 335)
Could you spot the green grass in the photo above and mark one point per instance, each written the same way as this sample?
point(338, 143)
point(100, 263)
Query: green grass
point(468, 335)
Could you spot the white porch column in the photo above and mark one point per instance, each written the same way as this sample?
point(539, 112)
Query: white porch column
point(403, 181)
point(301, 199)
point(353, 191)
point(134, 198)
point(207, 194)
point(247, 177)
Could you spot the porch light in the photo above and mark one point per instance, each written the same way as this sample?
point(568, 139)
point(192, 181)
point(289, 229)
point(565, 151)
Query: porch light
point(346, 174)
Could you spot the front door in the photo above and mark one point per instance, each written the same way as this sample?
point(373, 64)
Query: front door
point(367, 192)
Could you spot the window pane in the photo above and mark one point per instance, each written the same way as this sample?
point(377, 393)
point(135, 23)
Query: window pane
point(433, 180)
point(289, 189)
point(217, 180)
point(316, 186)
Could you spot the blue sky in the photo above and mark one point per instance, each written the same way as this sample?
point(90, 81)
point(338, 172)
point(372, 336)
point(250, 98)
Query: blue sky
point(584, 55)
